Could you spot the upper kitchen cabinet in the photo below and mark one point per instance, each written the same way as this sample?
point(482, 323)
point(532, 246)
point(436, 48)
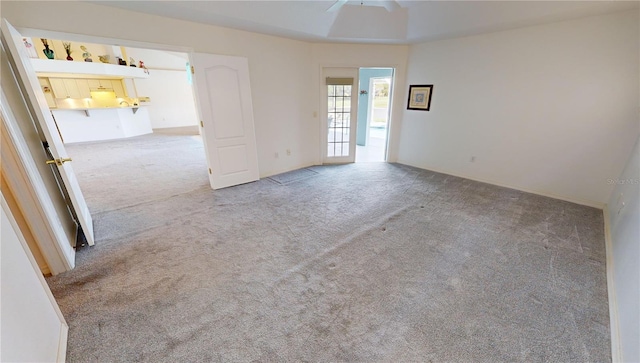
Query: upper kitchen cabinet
point(83, 88)
point(114, 85)
point(118, 89)
point(69, 88)
point(100, 84)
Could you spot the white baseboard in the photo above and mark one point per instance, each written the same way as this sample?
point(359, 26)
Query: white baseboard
point(614, 322)
point(588, 203)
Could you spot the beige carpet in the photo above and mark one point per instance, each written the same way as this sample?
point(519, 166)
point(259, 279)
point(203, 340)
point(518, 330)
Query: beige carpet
point(362, 262)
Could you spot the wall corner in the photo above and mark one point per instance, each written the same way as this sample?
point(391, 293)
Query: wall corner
point(614, 322)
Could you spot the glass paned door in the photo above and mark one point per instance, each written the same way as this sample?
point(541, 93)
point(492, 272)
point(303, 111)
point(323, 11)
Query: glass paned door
point(340, 103)
point(339, 119)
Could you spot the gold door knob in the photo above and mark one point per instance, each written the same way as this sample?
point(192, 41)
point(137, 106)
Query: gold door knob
point(58, 161)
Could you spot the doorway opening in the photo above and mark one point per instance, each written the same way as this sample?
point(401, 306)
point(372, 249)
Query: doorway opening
point(111, 89)
point(117, 120)
point(374, 109)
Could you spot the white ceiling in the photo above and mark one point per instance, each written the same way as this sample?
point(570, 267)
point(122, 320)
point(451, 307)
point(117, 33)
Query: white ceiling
point(412, 22)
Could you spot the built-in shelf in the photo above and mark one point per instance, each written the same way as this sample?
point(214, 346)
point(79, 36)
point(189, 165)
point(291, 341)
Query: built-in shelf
point(53, 68)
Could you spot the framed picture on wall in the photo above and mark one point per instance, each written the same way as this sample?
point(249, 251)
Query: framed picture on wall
point(420, 97)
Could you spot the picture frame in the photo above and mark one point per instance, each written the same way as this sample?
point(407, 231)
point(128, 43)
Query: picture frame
point(420, 97)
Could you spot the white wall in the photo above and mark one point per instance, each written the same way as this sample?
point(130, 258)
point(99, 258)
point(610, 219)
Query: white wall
point(282, 109)
point(551, 109)
point(172, 102)
point(32, 328)
point(158, 59)
point(624, 226)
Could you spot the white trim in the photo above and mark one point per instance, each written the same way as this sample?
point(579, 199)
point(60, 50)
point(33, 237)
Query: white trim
point(371, 108)
point(614, 320)
point(64, 328)
point(62, 344)
point(588, 203)
point(372, 89)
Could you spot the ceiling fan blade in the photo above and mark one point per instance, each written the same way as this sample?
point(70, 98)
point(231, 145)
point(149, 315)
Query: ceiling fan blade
point(337, 5)
point(391, 5)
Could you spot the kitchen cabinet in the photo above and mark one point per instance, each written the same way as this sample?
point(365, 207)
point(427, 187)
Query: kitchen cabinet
point(100, 84)
point(58, 88)
point(114, 85)
point(72, 88)
point(69, 88)
point(93, 83)
point(83, 88)
point(46, 89)
point(118, 89)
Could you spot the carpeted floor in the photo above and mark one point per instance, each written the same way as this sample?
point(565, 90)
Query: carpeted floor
point(360, 262)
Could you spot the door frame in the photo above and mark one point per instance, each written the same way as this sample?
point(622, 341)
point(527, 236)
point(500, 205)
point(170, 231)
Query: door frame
point(324, 118)
point(370, 97)
point(370, 111)
point(66, 263)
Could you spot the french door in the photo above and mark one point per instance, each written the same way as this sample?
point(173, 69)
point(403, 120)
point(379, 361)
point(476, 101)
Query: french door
point(339, 114)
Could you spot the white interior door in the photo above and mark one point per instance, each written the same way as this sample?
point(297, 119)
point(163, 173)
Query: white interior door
point(339, 114)
point(223, 95)
point(37, 103)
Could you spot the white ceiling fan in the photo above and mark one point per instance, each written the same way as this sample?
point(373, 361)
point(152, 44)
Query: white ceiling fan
point(390, 5)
